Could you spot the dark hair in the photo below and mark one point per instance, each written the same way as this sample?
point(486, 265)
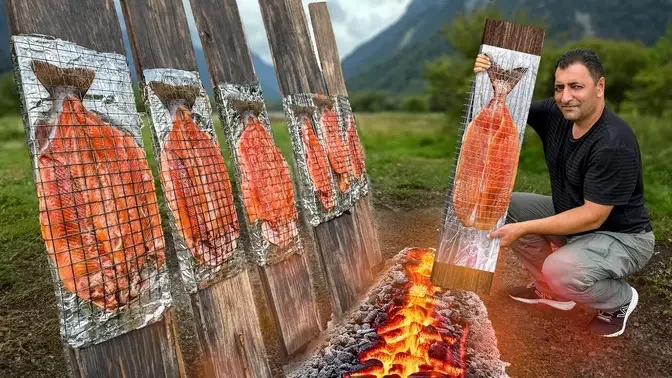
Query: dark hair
point(584, 56)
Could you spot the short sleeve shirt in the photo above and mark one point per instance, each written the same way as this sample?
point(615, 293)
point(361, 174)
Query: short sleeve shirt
point(602, 166)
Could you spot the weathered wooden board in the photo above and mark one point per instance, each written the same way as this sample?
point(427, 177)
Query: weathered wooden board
point(158, 33)
point(221, 294)
point(298, 74)
point(89, 29)
point(327, 51)
point(283, 268)
point(466, 258)
point(92, 24)
point(138, 354)
point(230, 330)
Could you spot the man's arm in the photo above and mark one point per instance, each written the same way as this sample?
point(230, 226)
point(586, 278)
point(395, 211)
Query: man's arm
point(584, 218)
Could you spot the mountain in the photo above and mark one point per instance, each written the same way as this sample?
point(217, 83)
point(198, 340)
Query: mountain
point(394, 60)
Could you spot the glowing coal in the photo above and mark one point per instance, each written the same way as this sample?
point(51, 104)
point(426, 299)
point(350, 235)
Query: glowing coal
point(406, 327)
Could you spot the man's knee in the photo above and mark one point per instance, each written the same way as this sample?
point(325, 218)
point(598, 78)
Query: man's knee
point(563, 275)
point(515, 207)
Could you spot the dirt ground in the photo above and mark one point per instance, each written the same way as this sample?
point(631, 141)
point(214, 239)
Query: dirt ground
point(539, 341)
point(536, 340)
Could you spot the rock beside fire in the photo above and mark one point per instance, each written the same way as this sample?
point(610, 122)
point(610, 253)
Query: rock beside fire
point(353, 342)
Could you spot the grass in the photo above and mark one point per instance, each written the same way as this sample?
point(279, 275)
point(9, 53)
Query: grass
point(409, 159)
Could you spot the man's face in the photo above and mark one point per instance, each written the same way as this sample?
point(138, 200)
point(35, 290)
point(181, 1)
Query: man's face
point(576, 93)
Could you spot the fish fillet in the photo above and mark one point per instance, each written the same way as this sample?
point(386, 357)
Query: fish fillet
point(357, 160)
point(317, 164)
point(488, 161)
point(198, 191)
point(337, 151)
point(266, 185)
point(98, 211)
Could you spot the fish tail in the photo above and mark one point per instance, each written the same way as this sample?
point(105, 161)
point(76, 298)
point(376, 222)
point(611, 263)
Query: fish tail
point(503, 81)
point(52, 77)
point(176, 95)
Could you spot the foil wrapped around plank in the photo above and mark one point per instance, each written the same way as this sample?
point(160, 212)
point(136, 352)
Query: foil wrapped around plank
point(194, 178)
point(471, 212)
point(98, 208)
point(321, 155)
point(263, 175)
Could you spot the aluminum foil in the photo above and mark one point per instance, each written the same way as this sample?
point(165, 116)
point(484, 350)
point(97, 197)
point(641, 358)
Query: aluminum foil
point(466, 246)
point(262, 252)
point(309, 199)
point(111, 97)
point(194, 275)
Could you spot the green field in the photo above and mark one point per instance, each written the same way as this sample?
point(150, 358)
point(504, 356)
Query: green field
point(409, 159)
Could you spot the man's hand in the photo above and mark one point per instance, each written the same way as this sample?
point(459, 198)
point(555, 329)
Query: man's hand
point(482, 63)
point(583, 218)
point(509, 233)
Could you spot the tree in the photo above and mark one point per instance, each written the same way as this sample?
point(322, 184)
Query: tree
point(449, 77)
point(650, 93)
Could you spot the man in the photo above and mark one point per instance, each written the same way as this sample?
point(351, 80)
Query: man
point(595, 216)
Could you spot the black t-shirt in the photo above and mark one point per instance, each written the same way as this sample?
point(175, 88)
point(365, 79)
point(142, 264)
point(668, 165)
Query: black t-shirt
point(602, 166)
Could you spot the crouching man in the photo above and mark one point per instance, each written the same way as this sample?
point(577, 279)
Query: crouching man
point(595, 216)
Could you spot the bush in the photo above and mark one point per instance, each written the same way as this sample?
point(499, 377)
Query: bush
point(414, 104)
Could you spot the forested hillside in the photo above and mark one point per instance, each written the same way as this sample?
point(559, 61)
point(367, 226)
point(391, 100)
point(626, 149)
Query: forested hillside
point(395, 61)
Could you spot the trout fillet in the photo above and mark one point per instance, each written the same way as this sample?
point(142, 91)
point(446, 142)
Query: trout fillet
point(488, 162)
point(317, 164)
point(198, 191)
point(266, 184)
point(337, 151)
point(357, 160)
point(98, 209)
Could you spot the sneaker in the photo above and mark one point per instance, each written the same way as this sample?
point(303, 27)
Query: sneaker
point(612, 324)
point(530, 294)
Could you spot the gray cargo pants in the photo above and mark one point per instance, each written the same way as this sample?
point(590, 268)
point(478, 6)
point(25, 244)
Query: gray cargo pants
point(587, 269)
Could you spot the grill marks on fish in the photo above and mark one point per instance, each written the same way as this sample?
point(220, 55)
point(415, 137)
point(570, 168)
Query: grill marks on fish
point(198, 191)
point(337, 151)
point(488, 162)
point(316, 160)
point(99, 224)
point(355, 150)
point(266, 184)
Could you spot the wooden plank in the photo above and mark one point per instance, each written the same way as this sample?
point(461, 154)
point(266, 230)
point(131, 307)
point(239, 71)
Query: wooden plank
point(139, 354)
point(224, 43)
point(327, 48)
point(158, 33)
point(298, 73)
point(146, 350)
point(288, 283)
point(226, 322)
point(230, 331)
point(330, 62)
point(292, 53)
point(286, 280)
point(466, 259)
point(92, 24)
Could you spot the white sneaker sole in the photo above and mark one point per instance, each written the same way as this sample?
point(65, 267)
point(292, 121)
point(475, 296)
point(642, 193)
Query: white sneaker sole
point(564, 306)
point(633, 305)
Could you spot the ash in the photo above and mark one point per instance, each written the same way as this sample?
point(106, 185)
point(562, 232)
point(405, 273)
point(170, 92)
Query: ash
point(356, 331)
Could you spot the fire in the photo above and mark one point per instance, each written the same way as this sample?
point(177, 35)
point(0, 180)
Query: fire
point(412, 345)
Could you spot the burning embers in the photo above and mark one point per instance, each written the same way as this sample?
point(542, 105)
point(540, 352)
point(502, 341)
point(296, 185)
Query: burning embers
point(405, 327)
point(415, 340)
